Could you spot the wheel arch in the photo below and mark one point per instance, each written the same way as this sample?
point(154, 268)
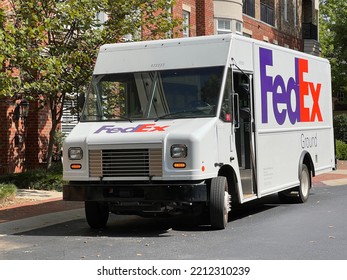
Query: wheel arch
point(229, 172)
point(306, 159)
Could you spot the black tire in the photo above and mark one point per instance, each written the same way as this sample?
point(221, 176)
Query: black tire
point(96, 214)
point(301, 193)
point(305, 185)
point(219, 202)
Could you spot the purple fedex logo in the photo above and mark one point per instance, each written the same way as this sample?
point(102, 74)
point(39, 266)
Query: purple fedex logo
point(148, 127)
point(281, 92)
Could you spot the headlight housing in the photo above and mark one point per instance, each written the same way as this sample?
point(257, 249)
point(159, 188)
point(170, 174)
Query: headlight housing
point(75, 153)
point(178, 151)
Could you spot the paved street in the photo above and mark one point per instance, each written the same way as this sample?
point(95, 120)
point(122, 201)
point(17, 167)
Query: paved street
point(49, 228)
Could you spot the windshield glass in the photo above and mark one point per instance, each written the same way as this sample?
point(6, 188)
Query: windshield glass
point(185, 93)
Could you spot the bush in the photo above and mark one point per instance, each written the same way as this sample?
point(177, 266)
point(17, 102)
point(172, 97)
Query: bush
point(340, 127)
point(40, 179)
point(341, 150)
point(7, 191)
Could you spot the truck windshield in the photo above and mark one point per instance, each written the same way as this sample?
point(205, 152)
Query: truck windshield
point(171, 94)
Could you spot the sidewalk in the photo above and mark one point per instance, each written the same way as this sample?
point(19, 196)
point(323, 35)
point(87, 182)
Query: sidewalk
point(29, 203)
point(334, 178)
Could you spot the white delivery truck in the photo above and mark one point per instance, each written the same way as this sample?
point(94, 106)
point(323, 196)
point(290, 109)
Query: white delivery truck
point(198, 124)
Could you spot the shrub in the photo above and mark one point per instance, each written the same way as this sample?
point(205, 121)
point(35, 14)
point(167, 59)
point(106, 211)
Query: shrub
point(7, 191)
point(40, 179)
point(341, 150)
point(340, 127)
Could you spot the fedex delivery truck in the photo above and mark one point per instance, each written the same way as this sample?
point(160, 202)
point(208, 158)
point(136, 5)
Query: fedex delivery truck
point(197, 125)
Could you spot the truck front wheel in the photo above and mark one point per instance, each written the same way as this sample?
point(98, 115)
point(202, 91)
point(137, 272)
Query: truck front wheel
point(96, 213)
point(219, 202)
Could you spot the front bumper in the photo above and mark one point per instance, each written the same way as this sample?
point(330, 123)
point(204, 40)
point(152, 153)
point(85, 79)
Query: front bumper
point(135, 192)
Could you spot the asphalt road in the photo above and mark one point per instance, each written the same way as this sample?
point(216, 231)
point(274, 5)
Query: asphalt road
point(265, 230)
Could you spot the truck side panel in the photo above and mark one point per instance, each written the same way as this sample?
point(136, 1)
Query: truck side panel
point(293, 115)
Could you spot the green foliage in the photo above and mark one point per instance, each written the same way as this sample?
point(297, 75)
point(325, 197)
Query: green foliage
point(340, 127)
point(6, 47)
point(51, 179)
point(144, 20)
point(58, 140)
point(7, 191)
point(333, 39)
point(53, 44)
point(341, 150)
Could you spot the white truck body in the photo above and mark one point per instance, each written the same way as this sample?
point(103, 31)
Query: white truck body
point(179, 124)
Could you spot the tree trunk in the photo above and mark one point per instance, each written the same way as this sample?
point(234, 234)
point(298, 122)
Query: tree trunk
point(51, 143)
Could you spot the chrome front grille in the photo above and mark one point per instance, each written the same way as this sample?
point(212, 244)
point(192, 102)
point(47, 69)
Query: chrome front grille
point(125, 163)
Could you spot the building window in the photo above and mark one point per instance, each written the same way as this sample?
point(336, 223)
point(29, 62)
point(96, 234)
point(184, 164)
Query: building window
point(294, 11)
point(266, 13)
point(238, 27)
point(186, 23)
point(223, 26)
point(285, 10)
point(249, 7)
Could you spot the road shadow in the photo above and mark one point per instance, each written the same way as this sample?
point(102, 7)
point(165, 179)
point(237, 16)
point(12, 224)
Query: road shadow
point(134, 226)
point(32, 208)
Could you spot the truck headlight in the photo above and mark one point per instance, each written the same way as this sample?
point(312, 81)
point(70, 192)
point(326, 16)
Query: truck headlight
point(75, 153)
point(178, 151)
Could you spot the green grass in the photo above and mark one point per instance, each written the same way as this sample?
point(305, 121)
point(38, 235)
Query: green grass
point(40, 179)
point(7, 191)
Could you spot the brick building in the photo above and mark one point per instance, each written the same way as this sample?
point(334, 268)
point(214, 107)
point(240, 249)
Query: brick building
point(23, 140)
point(288, 23)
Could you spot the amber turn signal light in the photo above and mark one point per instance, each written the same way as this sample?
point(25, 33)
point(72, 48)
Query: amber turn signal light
point(75, 166)
point(179, 165)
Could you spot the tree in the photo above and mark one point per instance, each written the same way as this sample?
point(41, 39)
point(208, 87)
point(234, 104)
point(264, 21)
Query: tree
point(56, 43)
point(333, 38)
point(141, 19)
point(6, 47)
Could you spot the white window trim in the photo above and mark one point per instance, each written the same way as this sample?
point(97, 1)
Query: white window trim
point(186, 23)
point(223, 30)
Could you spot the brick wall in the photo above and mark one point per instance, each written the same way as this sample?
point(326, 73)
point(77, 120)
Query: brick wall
point(265, 32)
point(189, 6)
point(201, 21)
point(285, 32)
point(4, 135)
point(23, 145)
point(12, 158)
point(205, 17)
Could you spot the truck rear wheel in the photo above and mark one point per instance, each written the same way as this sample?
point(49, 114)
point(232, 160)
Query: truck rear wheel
point(96, 214)
point(305, 185)
point(301, 193)
point(219, 202)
